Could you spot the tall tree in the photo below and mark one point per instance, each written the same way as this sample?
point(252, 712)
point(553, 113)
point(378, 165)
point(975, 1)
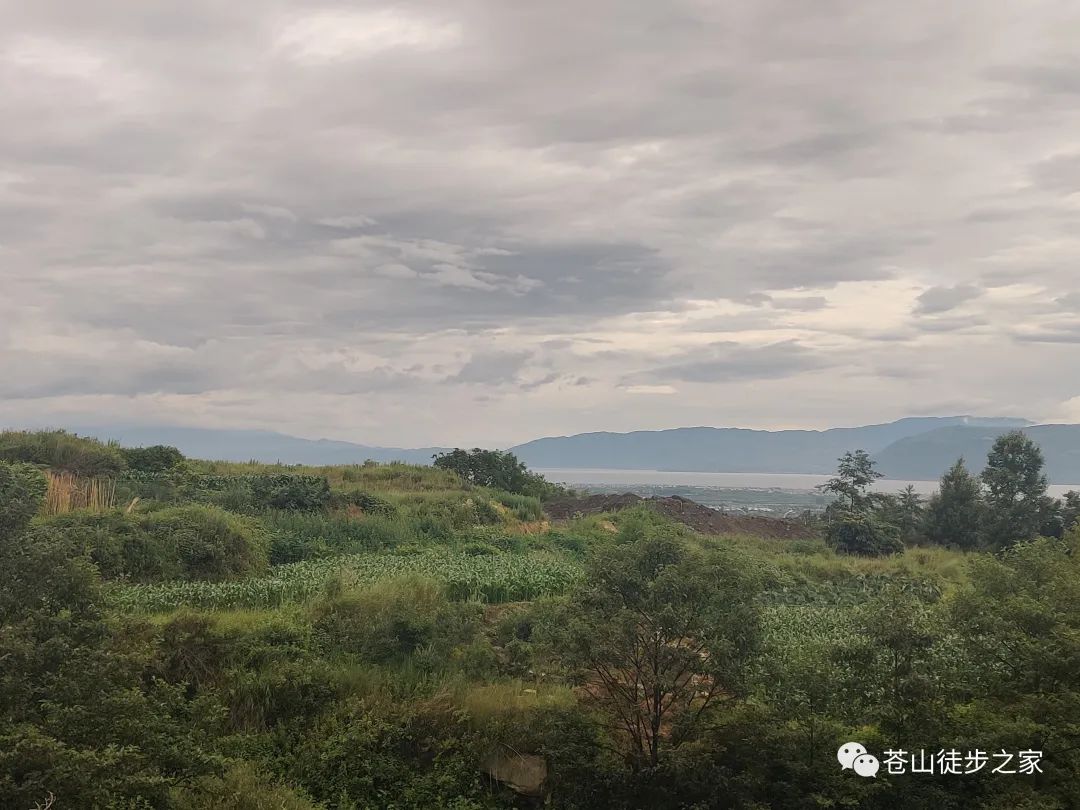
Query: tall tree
point(855, 474)
point(910, 513)
point(1070, 510)
point(954, 515)
point(660, 632)
point(1015, 490)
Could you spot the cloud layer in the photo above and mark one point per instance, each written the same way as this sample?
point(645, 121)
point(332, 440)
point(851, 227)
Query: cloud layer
point(477, 222)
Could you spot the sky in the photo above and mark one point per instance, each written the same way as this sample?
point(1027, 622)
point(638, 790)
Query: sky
point(481, 221)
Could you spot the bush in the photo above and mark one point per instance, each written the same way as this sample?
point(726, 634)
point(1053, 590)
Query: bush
point(496, 469)
point(415, 755)
point(208, 543)
point(22, 492)
point(297, 493)
point(167, 486)
point(253, 494)
point(865, 535)
point(241, 787)
point(60, 450)
point(184, 542)
point(365, 502)
point(391, 620)
point(156, 459)
point(524, 507)
point(304, 536)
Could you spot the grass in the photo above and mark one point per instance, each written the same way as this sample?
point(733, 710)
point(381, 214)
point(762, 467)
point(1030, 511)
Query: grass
point(298, 536)
point(487, 578)
point(68, 492)
point(392, 477)
point(822, 575)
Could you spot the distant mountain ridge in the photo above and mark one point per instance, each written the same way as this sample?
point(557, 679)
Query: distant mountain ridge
point(708, 449)
point(916, 448)
point(258, 445)
point(913, 456)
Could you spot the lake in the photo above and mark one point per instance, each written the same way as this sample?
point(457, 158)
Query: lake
point(714, 480)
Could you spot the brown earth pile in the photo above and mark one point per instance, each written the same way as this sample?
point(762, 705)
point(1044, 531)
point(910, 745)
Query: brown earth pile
point(698, 517)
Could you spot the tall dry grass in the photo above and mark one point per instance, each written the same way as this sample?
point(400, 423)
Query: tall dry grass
point(68, 492)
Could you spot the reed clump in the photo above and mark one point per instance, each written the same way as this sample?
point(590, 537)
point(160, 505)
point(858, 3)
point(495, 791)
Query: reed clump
point(68, 492)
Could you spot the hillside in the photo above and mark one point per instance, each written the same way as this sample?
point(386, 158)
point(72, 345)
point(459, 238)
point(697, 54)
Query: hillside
point(257, 445)
point(917, 457)
point(706, 449)
point(188, 634)
point(917, 448)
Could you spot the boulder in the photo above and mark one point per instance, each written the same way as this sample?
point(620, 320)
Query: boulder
point(525, 774)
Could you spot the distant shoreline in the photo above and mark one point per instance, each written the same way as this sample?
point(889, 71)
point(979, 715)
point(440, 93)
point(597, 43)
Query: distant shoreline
point(796, 482)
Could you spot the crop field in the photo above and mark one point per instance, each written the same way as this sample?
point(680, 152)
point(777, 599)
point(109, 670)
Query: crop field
point(489, 578)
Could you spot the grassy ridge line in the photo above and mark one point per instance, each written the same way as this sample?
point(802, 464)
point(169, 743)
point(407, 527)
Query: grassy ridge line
point(495, 578)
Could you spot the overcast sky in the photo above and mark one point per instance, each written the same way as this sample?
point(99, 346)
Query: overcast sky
point(483, 221)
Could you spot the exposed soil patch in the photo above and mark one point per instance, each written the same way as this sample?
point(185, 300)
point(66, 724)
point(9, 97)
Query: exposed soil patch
point(697, 517)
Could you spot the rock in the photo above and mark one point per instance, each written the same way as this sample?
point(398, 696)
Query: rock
point(525, 774)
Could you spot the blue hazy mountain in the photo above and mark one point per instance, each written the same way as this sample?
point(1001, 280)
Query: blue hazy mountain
point(928, 454)
point(918, 448)
point(257, 445)
point(709, 449)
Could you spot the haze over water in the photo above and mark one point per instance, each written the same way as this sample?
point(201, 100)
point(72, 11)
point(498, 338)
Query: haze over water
point(792, 481)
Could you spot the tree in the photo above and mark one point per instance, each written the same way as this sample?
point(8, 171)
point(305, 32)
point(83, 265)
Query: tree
point(22, 492)
point(658, 634)
point(1015, 490)
point(863, 533)
point(854, 476)
point(494, 468)
point(955, 513)
point(905, 511)
point(911, 513)
point(1018, 622)
point(1070, 510)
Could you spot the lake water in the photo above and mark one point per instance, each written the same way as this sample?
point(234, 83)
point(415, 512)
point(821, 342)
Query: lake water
point(670, 478)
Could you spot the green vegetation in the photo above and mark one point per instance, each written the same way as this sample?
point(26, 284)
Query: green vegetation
point(1007, 505)
point(62, 451)
point(490, 578)
point(249, 636)
point(496, 469)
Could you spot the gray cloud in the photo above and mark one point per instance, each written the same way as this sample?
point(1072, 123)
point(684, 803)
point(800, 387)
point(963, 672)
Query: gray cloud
point(727, 361)
point(492, 368)
point(260, 212)
point(937, 300)
point(1070, 301)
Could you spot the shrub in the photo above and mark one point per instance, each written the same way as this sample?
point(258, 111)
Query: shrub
point(414, 755)
point(60, 450)
point(298, 493)
point(304, 536)
point(241, 787)
point(156, 459)
point(22, 493)
point(208, 543)
point(524, 507)
point(365, 502)
point(855, 533)
point(114, 543)
point(391, 620)
point(167, 486)
point(256, 493)
point(496, 469)
point(185, 542)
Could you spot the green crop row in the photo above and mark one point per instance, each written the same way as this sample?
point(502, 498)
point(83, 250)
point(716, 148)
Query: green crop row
point(490, 578)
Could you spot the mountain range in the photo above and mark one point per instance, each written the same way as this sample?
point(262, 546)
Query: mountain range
point(917, 448)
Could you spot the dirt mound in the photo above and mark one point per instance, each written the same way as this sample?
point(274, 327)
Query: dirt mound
point(698, 517)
